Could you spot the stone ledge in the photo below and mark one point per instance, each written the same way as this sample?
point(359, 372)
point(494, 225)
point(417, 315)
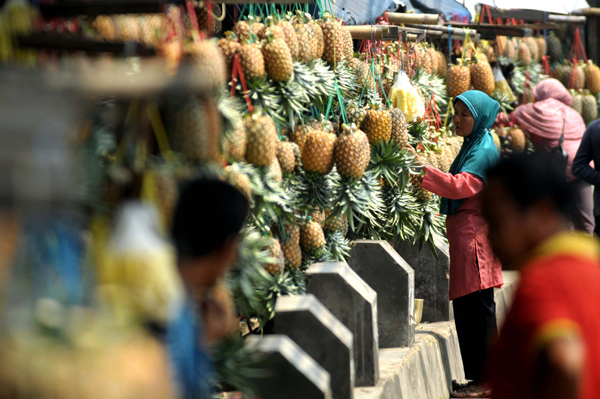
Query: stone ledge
point(424, 370)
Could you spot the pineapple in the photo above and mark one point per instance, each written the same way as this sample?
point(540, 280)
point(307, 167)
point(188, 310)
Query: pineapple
point(501, 45)
point(235, 143)
point(153, 28)
point(317, 216)
point(533, 49)
point(333, 39)
point(300, 134)
point(274, 30)
point(524, 54)
point(127, 28)
point(577, 80)
point(445, 159)
point(313, 40)
point(348, 44)
point(289, 233)
point(278, 59)
point(592, 78)
point(229, 48)
point(292, 254)
point(312, 237)
point(541, 45)
point(286, 156)
point(421, 194)
point(240, 180)
point(577, 102)
point(482, 77)
point(202, 13)
point(278, 266)
point(352, 153)
point(298, 158)
point(377, 125)
point(589, 108)
point(497, 142)
point(334, 224)
point(432, 55)
point(259, 29)
point(554, 47)
point(361, 70)
point(399, 128)
point(242, 30)
point(442, 64)
point(303, 34)
point(290, 38)
point(356, 115)
point(319, 38)
point(275, 170)
point(252, 61)
point(167, 191)
point(262, 140)
point(106, 28)
point(517, 140)
point(207, 55)
point(563, 73)
point(195, 129)
point(460, 80)
point(317, 155)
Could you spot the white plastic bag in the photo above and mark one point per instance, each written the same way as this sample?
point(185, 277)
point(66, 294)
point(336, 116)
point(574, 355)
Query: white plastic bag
point(406, 98)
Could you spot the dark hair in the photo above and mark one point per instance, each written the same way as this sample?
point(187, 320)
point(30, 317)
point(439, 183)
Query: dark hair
point(209, 212)
point(530, 178)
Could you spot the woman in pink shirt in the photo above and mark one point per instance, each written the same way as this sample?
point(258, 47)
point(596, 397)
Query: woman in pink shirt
point(544, 122)
point(474, 270)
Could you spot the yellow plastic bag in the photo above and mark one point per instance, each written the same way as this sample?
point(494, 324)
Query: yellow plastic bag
point(405, 97)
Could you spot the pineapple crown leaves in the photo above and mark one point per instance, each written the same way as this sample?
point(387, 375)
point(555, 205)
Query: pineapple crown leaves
point(393, 164)
point(236, 365)
point(315, 190)
point(359, 199)
point(337, 246)
point(401, 213)
point(430, 225)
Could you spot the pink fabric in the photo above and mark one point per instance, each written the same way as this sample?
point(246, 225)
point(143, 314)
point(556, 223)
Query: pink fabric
point(473, 265)
point(543, 120)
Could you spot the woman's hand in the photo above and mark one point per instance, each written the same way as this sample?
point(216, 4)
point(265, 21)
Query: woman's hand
point(419, 160)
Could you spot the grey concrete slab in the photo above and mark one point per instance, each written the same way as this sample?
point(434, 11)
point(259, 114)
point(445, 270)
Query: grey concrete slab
point(324, 338)
point(422, 371)
point(354, 304)
point(431, 277)
point(380, 266)
point(292, 373)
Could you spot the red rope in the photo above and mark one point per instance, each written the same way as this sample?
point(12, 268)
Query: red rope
point(238, 72)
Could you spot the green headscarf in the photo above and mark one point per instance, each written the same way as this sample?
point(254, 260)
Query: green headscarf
point(478, 152)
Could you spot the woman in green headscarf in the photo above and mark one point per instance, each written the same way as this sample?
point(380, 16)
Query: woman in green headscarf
point(474, 270)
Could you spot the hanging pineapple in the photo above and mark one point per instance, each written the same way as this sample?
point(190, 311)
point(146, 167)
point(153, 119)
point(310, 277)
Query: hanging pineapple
point(482, 76)
point(460, 80)
point(589, 108)
point(524, 54)
point(262, 140)
point(352, 152)
point(278, 58)
point(317, 155)
point(592, 78)
point(312, 237)
point(377, 124)
point(207, 55)
point(333, 39)
point(252, 61)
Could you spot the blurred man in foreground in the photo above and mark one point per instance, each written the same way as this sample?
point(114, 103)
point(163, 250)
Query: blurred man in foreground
point(549, 346)
point(205, 229)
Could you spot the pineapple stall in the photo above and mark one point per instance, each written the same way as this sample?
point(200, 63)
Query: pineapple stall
point(315, 121)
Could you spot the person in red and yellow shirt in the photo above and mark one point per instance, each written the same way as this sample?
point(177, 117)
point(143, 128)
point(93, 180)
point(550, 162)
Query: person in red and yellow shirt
point(548, 346)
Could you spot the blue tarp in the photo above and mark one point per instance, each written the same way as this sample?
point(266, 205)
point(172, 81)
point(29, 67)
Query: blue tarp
point(361, 12)
point(446, 7)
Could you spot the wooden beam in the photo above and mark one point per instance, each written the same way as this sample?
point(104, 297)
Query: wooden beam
point(501, 30)
point(593, 11)
point(71, 8)
point(65, 42)
point(567, 19)
point(422, 19)
point(394, 33)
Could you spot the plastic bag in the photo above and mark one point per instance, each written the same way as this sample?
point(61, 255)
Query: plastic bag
point(138, 275)
point(406, 98)
point(502, 88)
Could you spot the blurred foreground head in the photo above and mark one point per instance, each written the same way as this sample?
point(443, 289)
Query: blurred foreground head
point(527, 200)
point(205, 229)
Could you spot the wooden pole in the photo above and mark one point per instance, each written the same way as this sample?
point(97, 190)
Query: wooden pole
point(421, 19)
